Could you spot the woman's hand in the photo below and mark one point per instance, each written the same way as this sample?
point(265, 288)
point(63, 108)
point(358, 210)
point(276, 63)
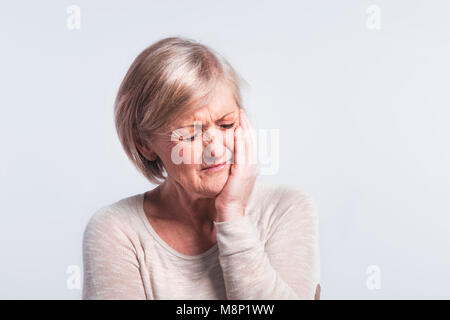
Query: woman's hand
point(232, 200)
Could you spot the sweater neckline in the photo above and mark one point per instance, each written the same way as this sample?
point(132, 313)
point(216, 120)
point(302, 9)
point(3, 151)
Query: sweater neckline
point(140, 209)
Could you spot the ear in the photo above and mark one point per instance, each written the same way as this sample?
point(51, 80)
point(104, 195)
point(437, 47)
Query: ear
point(143, 147)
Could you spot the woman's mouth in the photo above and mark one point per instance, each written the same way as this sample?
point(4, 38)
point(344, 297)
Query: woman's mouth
point(215, 168)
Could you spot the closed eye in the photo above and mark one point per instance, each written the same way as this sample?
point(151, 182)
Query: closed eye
point(227, 126)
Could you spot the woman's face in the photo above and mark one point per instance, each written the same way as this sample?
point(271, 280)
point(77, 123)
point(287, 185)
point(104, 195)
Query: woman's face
point(200, 139)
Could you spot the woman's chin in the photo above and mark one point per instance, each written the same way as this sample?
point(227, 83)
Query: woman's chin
point(213, 186)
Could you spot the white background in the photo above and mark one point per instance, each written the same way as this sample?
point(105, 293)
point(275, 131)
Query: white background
point(363, 117)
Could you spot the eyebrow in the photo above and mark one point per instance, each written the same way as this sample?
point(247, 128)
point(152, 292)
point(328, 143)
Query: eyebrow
point(191, 125)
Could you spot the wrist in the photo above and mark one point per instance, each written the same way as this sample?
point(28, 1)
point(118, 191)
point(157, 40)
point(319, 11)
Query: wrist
point(229, 214)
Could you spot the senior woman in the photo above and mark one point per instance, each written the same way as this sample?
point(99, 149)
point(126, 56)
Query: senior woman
point(209, 230)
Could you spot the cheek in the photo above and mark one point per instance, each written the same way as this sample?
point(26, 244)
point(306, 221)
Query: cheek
point(229, 139)
point(172, 154)
point(181, 157)
point(183, 172)
point(185, 158)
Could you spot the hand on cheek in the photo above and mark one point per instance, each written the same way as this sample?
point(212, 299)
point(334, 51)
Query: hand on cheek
point(232, 201)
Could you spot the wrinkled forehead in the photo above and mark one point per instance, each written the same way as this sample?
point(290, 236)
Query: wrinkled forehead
point(221, 105)
point(208, 115)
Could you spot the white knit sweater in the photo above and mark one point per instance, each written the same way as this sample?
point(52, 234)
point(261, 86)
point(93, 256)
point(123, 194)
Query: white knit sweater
point(272, 252)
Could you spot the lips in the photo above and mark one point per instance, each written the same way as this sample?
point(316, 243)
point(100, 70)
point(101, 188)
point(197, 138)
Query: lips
point(213, 166)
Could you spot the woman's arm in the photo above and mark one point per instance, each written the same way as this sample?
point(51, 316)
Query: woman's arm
point(111, 269)
point(287, 267)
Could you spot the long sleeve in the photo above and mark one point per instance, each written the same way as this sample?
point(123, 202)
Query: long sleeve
point(111, 269)
point(286, 267)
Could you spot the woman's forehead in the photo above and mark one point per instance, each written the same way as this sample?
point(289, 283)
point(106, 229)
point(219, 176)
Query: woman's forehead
point(208, 114)
point(212, 107)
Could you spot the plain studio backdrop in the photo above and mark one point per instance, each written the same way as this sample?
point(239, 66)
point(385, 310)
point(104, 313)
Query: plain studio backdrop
point(358, 92)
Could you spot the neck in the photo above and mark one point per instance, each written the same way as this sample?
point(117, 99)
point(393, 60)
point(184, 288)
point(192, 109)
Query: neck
point(187, 207)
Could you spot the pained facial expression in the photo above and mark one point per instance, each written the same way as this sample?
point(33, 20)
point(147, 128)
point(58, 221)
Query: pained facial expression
point(202, 138)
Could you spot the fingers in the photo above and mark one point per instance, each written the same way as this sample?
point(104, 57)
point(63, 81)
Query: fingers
point(239, 147)
point(253, 144)
point(250, 139)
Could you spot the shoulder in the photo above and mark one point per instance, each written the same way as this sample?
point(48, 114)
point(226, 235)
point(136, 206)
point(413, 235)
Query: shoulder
point(114, 221)
point(281, 197)
point(280, 203)
point(297, 198)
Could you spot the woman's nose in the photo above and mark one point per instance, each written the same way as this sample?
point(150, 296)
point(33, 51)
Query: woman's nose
point(214, 143)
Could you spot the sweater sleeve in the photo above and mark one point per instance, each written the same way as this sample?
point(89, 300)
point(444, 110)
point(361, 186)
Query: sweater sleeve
point(286, 267)
point(111, 269)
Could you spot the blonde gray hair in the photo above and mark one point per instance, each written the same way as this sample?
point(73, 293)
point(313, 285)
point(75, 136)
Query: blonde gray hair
point(166, 80)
